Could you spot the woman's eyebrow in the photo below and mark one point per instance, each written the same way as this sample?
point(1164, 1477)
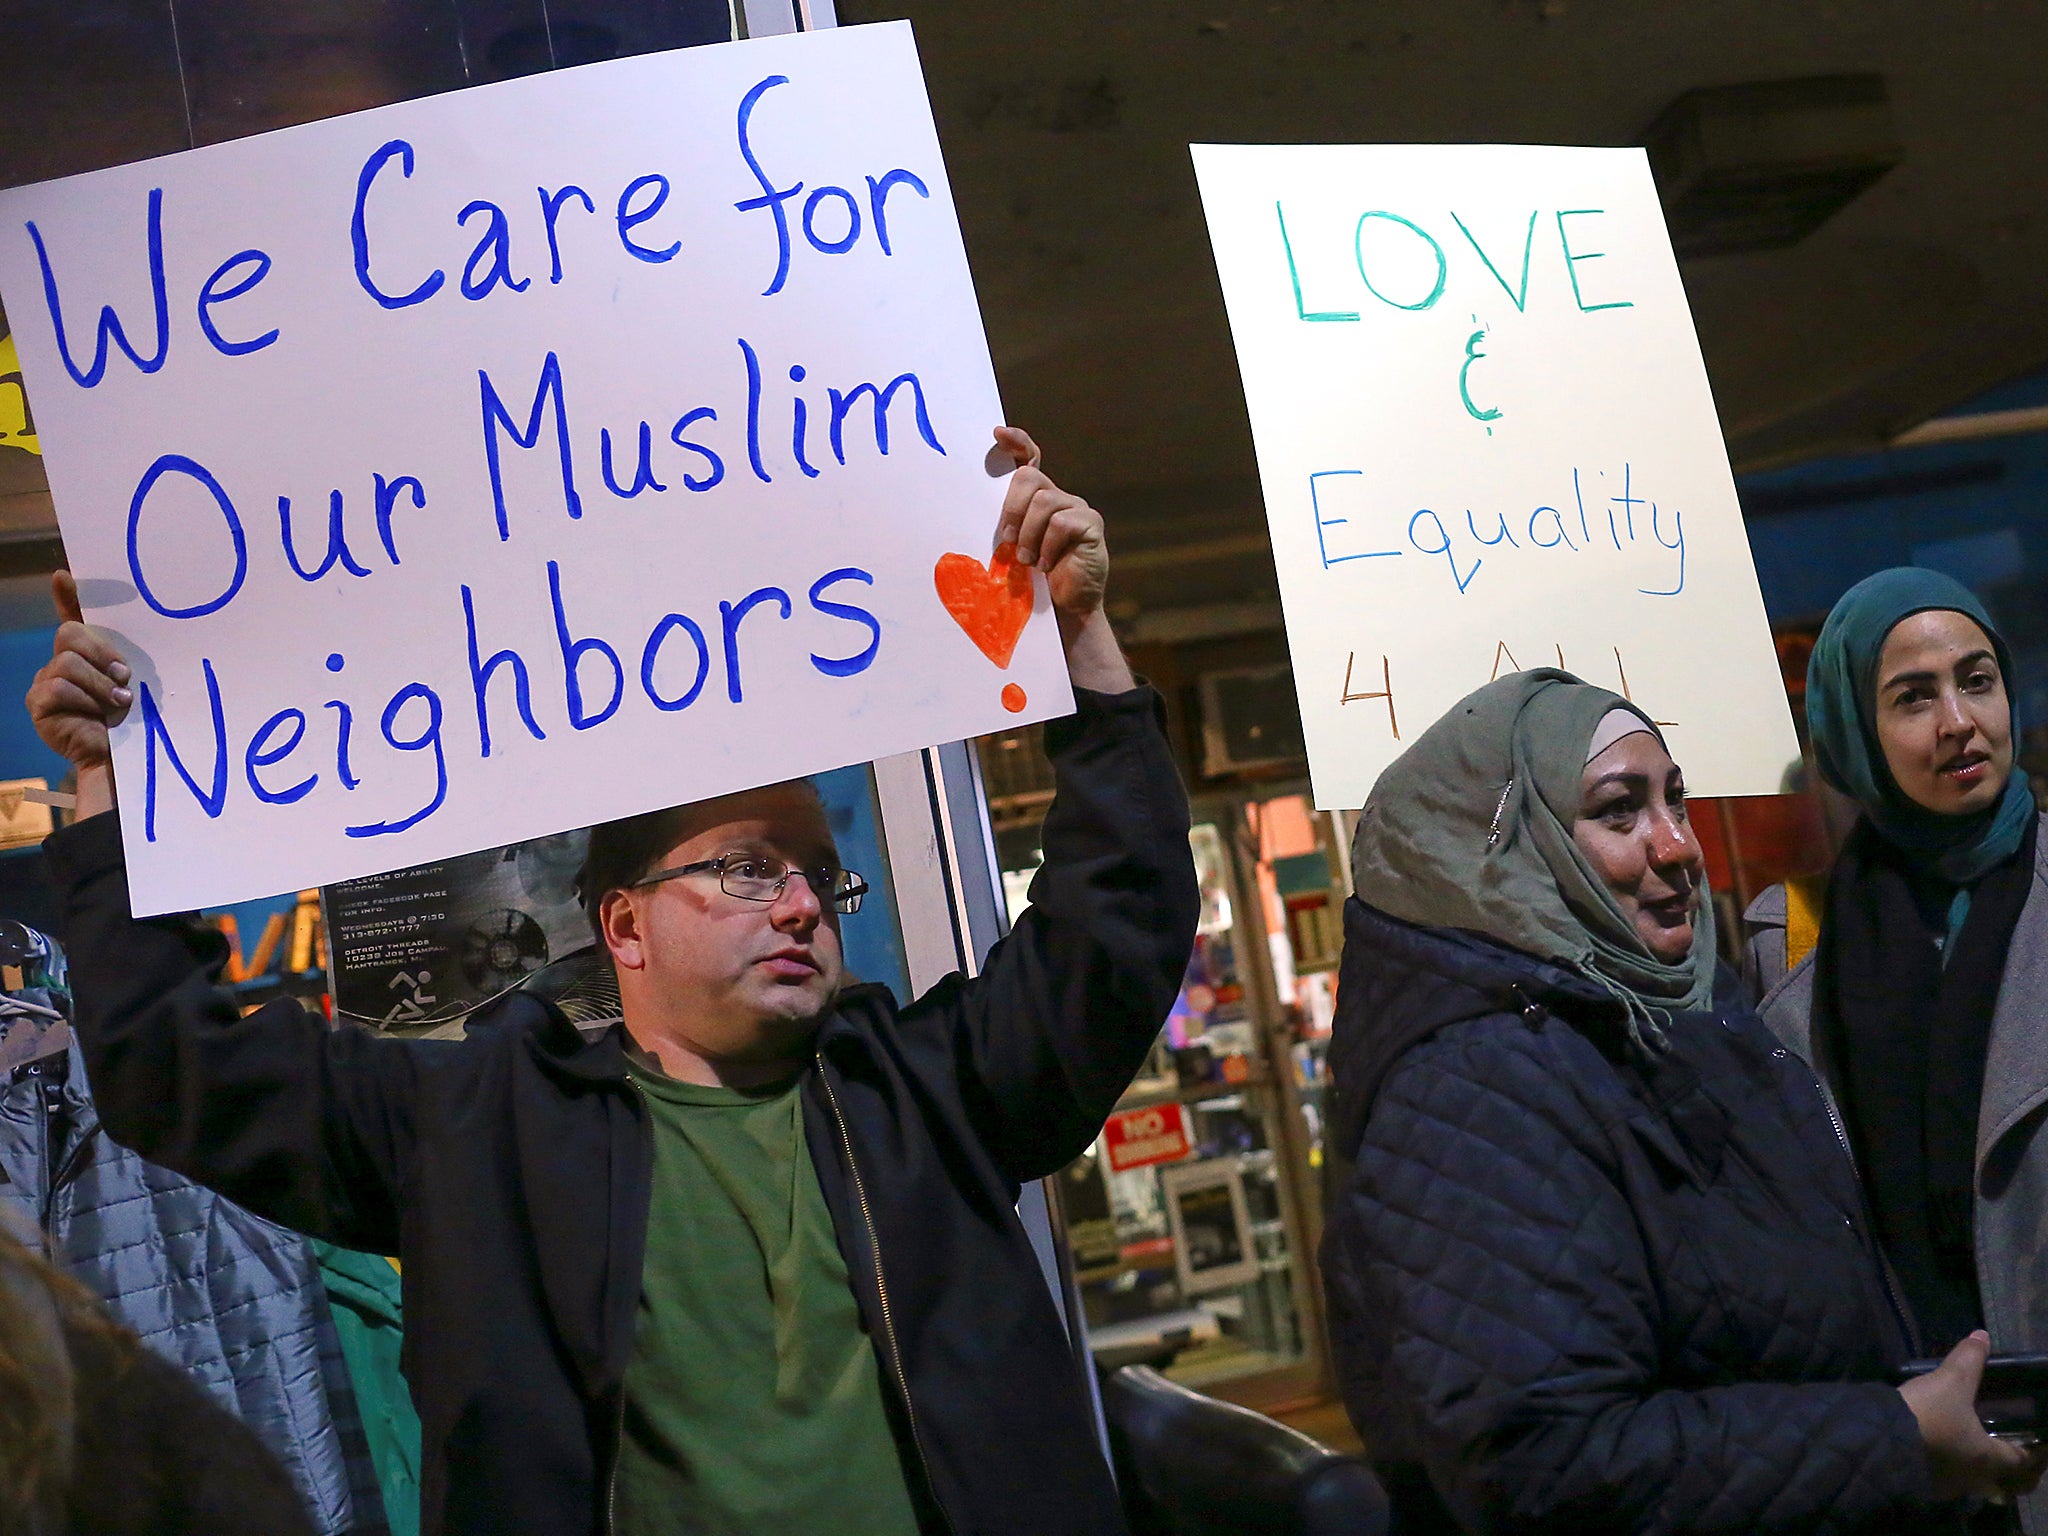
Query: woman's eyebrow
point(1900, 679)
point(1928, 674)
point(1618, 776)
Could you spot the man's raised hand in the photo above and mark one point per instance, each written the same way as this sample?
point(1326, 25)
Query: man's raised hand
point(1061, 535)
point(1054, 530)
point(82, 689)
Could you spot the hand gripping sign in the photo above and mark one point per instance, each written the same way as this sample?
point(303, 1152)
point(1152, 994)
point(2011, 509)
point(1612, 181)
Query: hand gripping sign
point(487, 465)
point(1487, 443)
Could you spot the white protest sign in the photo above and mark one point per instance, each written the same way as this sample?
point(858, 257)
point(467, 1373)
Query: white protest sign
point(492, 464)
point(1487, 443)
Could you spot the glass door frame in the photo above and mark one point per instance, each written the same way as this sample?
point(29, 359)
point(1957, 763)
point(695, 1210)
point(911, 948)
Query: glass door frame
point(1310, 1380)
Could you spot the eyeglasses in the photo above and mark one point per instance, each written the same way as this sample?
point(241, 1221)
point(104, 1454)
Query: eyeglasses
point(753, 877)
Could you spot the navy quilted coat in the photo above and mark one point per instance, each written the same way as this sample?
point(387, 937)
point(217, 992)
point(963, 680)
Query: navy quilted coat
point(1573, 1294)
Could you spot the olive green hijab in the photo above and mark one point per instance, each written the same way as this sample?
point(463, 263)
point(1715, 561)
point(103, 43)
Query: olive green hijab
point(1472, 828)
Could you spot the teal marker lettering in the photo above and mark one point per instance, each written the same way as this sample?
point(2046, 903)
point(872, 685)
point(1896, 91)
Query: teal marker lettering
point(1571, 260)
point(1520, 298)
point(1358, 253)
point(1294, 277)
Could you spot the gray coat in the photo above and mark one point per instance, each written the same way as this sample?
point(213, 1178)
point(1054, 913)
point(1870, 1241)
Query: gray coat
point(233, 1299)
point(2012, 1152)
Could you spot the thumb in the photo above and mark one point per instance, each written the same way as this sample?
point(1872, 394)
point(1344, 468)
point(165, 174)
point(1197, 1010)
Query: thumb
point(1018, 445)
point(1966, 1361)
point(64, 591)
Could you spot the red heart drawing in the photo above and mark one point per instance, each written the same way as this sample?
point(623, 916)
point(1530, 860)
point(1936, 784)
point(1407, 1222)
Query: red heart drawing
point(992, 603)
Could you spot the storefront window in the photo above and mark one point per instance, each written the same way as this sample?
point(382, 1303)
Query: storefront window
point(1187, 1238)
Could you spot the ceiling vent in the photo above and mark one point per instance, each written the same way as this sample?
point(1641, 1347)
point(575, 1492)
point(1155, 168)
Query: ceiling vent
point(1761, 166)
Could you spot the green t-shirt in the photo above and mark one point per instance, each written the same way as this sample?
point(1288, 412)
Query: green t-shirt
point(753, 1398)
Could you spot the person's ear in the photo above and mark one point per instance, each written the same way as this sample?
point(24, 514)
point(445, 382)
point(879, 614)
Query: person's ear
point(619, 916)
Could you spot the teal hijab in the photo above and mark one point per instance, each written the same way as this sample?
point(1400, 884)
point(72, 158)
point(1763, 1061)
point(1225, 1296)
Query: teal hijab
point(1841, 706)
point(1471, 828)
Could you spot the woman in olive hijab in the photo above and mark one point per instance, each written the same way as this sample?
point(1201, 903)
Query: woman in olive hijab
point(1925, 1001)
point(1600, 1263)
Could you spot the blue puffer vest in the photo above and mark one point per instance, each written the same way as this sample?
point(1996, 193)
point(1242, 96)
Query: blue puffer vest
point(235, 1300)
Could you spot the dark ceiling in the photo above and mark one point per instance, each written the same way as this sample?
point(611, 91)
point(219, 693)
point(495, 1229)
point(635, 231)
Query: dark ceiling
point(1066, 127)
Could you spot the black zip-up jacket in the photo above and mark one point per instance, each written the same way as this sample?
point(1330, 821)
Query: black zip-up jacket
point(511, 1171)
point(1574, 1292)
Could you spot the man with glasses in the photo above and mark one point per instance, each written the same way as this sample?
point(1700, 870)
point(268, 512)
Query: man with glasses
point(748, 1262)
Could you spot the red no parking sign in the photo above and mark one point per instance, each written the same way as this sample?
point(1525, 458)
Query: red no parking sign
point(1141, 1136)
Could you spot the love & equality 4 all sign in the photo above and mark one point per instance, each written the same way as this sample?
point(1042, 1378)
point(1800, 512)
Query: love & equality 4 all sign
point(483, 466)
point(1487, 443)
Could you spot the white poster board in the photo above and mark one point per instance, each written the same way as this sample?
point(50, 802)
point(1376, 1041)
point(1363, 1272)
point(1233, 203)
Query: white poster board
point(511, 460)
point(1487, 443)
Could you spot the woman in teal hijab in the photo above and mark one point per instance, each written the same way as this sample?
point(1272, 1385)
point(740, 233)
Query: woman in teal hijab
point(1598, 1263)
point(1952, 826)
point(1922, 1004)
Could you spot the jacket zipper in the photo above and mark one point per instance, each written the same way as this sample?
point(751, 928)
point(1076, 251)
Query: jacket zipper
point(860, 1196)
point(74, 1160)
point(74, 1165)
point(611, 1487)
point(1891, 1288)
point(611, 1484)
